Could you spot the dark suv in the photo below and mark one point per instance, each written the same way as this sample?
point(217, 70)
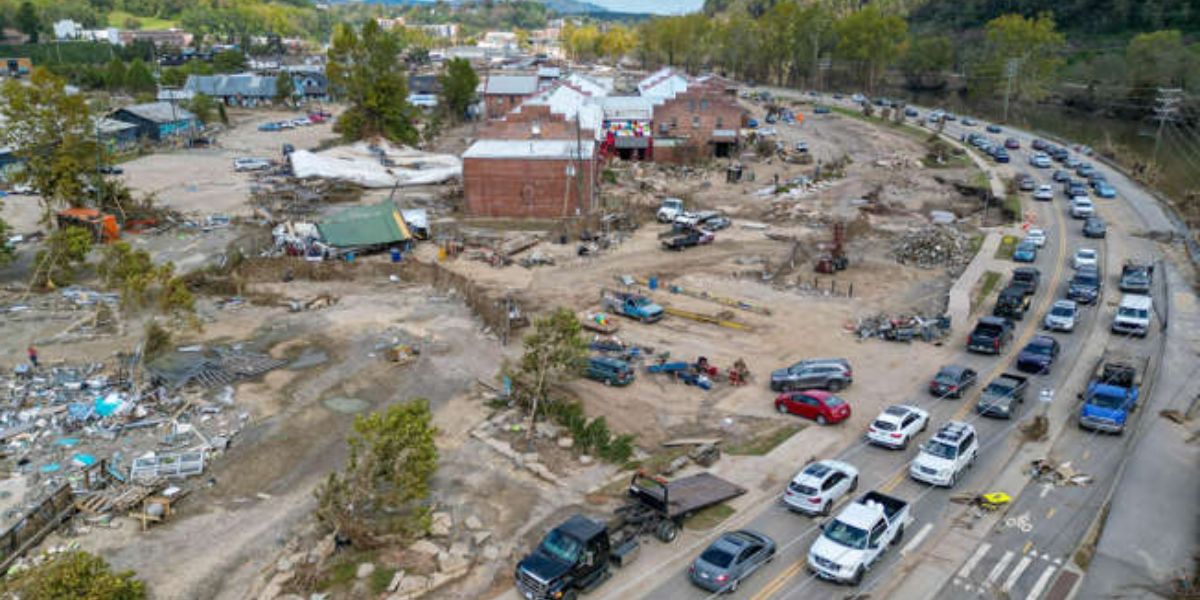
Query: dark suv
point(1084, 286)
point(832, 374)
point(1013, 302)
point(991, 335)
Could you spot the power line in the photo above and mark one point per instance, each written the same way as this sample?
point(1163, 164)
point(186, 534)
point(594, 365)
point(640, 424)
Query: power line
point(1168, 106)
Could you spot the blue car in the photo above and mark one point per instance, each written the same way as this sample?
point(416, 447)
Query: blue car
point(1001, 155)
point(821, 110)
point(1026, 252)
point(272, 126)
point(752, 123)
point(1038, 355)
point(1104, 190)
point(993, 129)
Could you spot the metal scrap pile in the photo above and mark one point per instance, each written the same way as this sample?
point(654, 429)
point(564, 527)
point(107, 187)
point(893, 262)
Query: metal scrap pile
point(902, 328)
point(933, 247)
point(1045, 470)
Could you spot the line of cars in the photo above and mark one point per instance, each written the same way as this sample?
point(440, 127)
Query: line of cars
point(312, 118)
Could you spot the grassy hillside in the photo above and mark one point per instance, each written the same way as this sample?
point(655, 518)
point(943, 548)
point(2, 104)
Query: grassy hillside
point(121, 19)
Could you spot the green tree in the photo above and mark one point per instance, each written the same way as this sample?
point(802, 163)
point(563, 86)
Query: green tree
point(1028, 47)
point(132, 272)
point(381, 493)
point(28, 22)
point(115, 74)
point(6, 252)
point(74, 574)
point(66, 250)
point(139, 79)
point(458, 81)
point(52, 133)
point(555, 352)
point(1163, 60)
point(871, 39)
point(285, 87)
point(203, 106)
point(229, 61)
point(364, 69)
point(927, 60)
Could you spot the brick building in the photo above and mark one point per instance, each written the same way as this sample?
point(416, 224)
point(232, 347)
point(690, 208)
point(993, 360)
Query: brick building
point(502, 93)
point(541, 178)
point(702, 120)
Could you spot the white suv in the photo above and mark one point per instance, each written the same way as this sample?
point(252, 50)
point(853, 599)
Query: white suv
point(896, 425)
point(251, 164)
point(946, 455)
point(816, 488)
point(1081, 207)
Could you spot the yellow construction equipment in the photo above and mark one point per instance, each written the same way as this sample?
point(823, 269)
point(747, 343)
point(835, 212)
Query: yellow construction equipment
point(703, 318)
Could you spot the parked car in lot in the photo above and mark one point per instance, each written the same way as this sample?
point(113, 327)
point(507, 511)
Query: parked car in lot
point(1082, 207)
point(950, 452)
point(897, 425)
point(1044, 193)
point(819, 485)
point(991, 335)
point(1094, 227)
point(818, 405)
point(1105, 190)
point(730, 559)
point(952, 380)
point(250, 164)
point(609, 371)
point(993, 128)
point(833, 374)
point(1084, 286)
point(272, 126)
point(1026, 252)
point(1062, 316)
point(1085, 257)
point(1038, 355)
point(1002, 396)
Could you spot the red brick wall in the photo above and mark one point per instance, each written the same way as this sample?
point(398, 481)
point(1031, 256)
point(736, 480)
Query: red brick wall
point(498, 105)
point(524, 188)
point(519, 126)
point(694, 114)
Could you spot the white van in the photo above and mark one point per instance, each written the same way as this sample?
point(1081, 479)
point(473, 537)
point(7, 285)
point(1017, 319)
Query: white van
point(1133, 315)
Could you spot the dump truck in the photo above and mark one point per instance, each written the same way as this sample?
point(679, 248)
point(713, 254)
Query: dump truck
point(634, 306)
point(1112, 393)
point(577, 556)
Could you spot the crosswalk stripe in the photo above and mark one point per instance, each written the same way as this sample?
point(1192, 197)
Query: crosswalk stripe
point(965, 572)
point(1016, 573)
point(1041, 583)
point(916, 540)
point(1000, 566)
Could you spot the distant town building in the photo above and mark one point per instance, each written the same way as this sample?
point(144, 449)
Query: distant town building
point(177, 38)
point(499, 40)
point(442, 31)
point(116, 135)
point(17, 67)
point(158, 121)
point(67, 29)
point(502, 93)
point(245, 89)
point(423, 90)
point(387, 24)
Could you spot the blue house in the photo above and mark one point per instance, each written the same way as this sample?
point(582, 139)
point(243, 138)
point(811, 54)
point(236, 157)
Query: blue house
point(116, 135)
point(159, 121)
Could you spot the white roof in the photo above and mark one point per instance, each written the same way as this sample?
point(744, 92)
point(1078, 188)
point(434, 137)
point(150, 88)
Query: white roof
point(569, 102)
point(860, 515)
point(664, 83)
point(530, 149)
point(1137, 301)
point(628, 108)
point(596, 86)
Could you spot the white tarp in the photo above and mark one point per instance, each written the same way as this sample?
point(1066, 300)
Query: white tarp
point(379, 165)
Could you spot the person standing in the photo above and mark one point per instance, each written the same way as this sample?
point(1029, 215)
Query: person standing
point(33, 356)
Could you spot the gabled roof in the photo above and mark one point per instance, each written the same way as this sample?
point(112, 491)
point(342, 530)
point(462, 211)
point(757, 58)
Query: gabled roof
point(530, 149)
point(664, 83)
point(596, 86)
point(244, 84)
point(109, 126)
point(570, 103)
point(158, 112)
point(628, 108)
point(374, 225)
point(513, 85)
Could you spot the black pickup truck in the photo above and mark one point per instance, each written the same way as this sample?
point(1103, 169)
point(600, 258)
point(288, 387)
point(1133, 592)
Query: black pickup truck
point(694, 237)
point(1013, 302)
point(1027, 279)
point(991, 335)
point(1001, 396)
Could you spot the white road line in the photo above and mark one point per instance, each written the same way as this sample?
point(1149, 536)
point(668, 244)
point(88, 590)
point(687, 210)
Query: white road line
point(965, 572)
point(1000, 567)
point(916, 540)
point(1041, 584)
point(1016, 573)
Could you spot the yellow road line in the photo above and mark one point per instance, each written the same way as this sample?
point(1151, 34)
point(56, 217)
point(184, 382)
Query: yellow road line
point(1050, 513)
point(1028, 545)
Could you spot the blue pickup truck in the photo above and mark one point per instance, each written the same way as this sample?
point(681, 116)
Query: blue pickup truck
point(634, 306)
point(1112, 393)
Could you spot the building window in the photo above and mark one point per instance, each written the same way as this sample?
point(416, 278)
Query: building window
point(691, 106)
point(662, 128)
point(674, 123)
point(695, 122)
point(703, 105)
point(720, 123)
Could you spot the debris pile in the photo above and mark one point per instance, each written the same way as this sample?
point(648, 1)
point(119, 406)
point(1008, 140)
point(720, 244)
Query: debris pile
point(902, 328)
point(933, 247)
point(1045, 470)
point(898, 162)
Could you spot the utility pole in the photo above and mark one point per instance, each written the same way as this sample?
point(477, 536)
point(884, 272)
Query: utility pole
point(1166, 107)
point(1010, 70)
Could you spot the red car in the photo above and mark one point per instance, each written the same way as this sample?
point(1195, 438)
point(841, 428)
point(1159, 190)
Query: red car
point(818, 405)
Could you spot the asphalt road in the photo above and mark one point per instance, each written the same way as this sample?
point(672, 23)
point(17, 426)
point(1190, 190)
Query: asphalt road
point(931, 508)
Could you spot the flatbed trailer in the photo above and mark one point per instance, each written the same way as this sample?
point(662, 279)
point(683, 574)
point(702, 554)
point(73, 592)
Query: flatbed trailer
point(658, 506)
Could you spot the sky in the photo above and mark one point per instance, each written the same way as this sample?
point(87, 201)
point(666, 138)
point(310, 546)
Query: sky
point(661, 7)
